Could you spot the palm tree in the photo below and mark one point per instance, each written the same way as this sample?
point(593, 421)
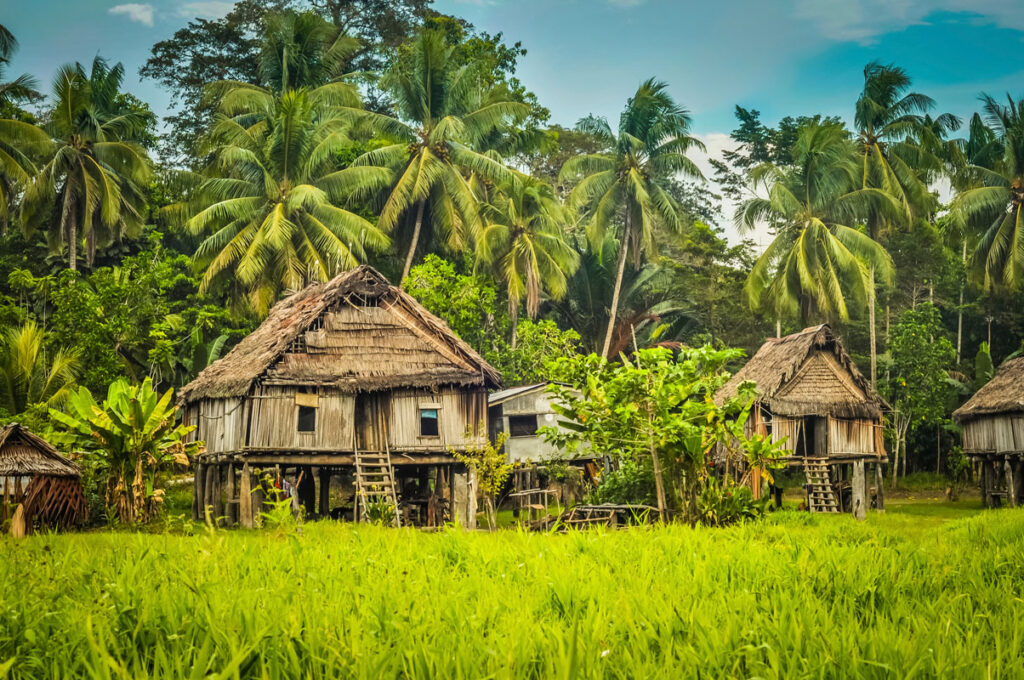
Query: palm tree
point(26, 377)
point(899, 147)
point(996, 198)
point(896, 141)
point(20, 141)
point(630, 180)
point(274, 199)
point(523, 240)
point(817, 264)
point(92, 183)
point(444, 113)
point(22, 88)
point(981, 149)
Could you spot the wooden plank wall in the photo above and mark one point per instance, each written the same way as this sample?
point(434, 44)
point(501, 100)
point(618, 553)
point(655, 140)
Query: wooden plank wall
point(458, 411)
point(851, 436)
point(1000, 434)
point(788, 429)
point(219, 423)
point(275, 419)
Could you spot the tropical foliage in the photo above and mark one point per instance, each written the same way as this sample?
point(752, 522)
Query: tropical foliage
point(132, 437)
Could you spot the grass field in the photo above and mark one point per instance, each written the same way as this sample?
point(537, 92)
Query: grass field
point(930, 589)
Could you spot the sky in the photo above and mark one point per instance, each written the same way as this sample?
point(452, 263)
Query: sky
point(782, 57)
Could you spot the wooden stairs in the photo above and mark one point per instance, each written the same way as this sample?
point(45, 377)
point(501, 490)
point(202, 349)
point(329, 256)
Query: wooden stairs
point(375, 482)
point(820, 495)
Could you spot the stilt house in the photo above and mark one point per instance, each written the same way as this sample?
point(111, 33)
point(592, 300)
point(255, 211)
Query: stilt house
point(46, 485)
point(812, 398)
point(993, 431)
point(350, 380)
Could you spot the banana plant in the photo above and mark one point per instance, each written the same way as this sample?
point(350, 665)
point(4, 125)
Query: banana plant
point(131, 437)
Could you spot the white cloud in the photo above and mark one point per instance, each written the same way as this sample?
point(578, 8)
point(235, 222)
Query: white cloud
point(136, 12)
point(716, 144)
point(864, 20)
point(206, 9)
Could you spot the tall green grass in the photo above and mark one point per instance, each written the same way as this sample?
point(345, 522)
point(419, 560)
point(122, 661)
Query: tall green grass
point(793, 597)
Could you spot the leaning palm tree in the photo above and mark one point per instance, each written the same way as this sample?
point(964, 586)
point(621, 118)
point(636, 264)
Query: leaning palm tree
point(444, 113)
point(996, 199)
point(27, 377)
point(817, 265)
point(523, 241)
point(274, 200)
point(630, 179)
point(92, 184)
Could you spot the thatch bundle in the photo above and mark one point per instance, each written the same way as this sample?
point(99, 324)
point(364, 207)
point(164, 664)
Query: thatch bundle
point(807, 373)
point(1003, 394)
point(355, 332)
point(54, 494)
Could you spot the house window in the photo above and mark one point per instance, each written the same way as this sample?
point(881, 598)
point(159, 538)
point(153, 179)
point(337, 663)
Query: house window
point(522, 426)
point(307, 419)
point(428, 422)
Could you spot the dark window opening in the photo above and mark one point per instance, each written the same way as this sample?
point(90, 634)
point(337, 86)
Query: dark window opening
point(522, 426)
point(428, 422)
point(307, 419)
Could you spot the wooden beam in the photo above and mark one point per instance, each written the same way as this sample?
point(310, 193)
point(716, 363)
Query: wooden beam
point(209, 493)
point(1011, 483)
point(857, 489)
point(197, 491)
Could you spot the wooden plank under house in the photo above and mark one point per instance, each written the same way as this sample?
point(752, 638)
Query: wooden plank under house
point(38, 486)
point(351, 383)
point(993, 430)
point(813, 399)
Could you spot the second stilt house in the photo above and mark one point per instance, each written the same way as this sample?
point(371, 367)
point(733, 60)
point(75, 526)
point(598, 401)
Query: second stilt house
point(814, 400)
point(993, 429)
point(350, 382)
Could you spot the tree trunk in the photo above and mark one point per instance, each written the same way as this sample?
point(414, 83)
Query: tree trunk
point(960, 308)
point(778, 327)
point(415, 242)
point(871, 325)
point(72, 230)
point(514, 314)
point(623, 249)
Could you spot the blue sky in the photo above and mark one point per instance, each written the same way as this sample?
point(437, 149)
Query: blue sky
point(783, 57)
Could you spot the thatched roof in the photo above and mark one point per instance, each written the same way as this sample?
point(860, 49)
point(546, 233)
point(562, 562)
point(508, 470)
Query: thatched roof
point(807, 373)
point(356, 332)
point(1004, 393)
point(24, 454)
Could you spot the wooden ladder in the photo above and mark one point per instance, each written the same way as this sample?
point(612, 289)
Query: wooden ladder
point(820, 496)
point(375, 481)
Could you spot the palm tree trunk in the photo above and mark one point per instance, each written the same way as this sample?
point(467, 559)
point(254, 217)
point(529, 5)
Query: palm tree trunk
point(514, 313)
point(414, 243)
point(623, 249)
point(778, 326)
point(70, 229)
point(960, 308)
point(871, 325)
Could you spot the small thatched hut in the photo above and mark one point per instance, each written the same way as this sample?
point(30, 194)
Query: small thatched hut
point(812, 398)
point(993, 427)
point(350, 379)
point(44, 483)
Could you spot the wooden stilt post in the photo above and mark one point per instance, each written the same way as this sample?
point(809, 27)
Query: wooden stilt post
point(231, 504)
point(1011, 483)
point(210, 494)
point(197, 491)
point(879, 488)
point(245, 505)
point(985, 475)
point(857, 490)
point(325, 492)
